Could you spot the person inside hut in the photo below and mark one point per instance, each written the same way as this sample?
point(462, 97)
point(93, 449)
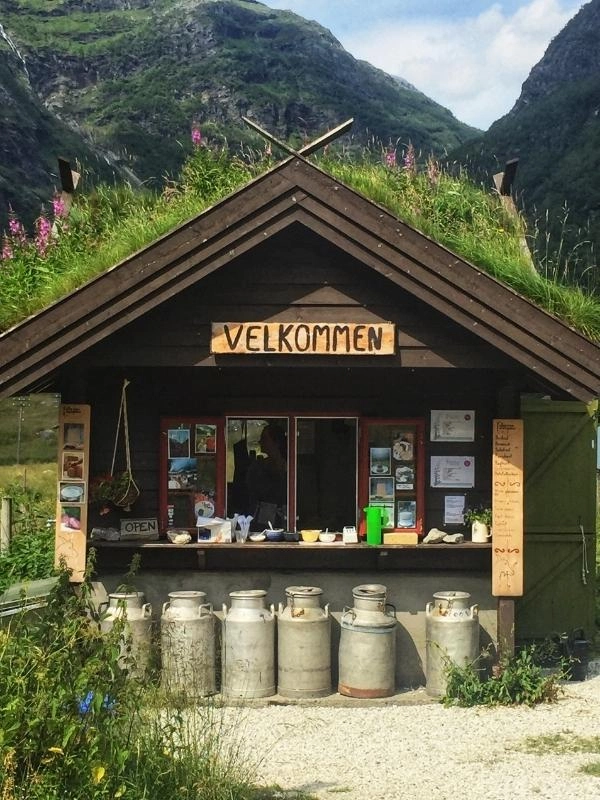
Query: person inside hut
point(266, 480)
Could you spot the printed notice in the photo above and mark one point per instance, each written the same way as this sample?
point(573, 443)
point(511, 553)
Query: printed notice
point(507, 508)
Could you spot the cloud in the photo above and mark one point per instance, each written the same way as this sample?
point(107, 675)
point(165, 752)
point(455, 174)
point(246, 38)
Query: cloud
point(476, 65)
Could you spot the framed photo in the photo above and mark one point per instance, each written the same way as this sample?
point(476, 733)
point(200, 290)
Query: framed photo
point(179, 442)
point(71, 492)
point(205, 439)
point(452, 426)
point(405, 477)
point(406, 516)
point(72, 466)
point(380, 460)
point(73, 436)
point(381, 489)
point(387, 514)
point(453, 472)
point(403, 447)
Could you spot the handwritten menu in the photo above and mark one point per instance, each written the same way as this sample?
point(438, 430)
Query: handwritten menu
point(507, 508)
point(72, 494)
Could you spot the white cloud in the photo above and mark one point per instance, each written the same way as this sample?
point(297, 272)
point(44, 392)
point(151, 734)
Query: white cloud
point(475, 66)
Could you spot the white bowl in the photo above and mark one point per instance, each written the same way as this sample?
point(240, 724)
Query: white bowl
point(257, 537)
point(328, 538)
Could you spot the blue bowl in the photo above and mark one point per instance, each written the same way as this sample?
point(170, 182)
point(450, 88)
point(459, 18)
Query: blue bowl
point(275, 535)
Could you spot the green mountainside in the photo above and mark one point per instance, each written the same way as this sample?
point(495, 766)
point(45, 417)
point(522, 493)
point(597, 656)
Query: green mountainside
point(129, 77)
point(554, 131)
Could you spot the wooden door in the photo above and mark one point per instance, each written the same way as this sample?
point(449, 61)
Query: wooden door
point(560, 518)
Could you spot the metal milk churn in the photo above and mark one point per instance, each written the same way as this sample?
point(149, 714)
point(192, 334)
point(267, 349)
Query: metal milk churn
point(367, 654)
point(452, 634)
point(248, 645)
point(137, 631)
point(187, 643)
point(303, 644)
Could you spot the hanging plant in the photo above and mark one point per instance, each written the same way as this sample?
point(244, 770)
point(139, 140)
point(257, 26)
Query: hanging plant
point(117, 488)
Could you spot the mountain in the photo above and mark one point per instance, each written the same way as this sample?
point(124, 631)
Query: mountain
point(554, 131)
point(127, 79)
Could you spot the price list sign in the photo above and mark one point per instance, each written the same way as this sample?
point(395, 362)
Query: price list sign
point(507, 508)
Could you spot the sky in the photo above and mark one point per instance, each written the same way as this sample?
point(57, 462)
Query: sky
point(471, 56)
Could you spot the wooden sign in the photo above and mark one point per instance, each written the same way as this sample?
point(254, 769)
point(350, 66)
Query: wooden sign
point(303, 338)
point(507, 508)
point(139, 528)
point(73, 487)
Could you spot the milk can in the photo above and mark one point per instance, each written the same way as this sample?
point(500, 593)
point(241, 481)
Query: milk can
point(303, 644)
point(137, 631)
point(367, 654)
point(187, 642)
point(452, 635)
point(248, 645)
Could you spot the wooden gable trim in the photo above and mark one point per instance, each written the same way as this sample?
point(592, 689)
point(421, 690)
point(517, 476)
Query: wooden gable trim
point(299, 192)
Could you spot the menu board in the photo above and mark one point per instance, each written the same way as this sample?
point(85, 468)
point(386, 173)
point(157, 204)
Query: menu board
point(507, 508)
point(72, 492)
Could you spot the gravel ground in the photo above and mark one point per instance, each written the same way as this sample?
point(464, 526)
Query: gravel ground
point(426, 751)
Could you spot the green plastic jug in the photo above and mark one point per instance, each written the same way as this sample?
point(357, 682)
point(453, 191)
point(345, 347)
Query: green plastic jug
point(373, 515)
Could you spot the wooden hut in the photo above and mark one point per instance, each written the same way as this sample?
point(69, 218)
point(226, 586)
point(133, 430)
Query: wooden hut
point(387, 362)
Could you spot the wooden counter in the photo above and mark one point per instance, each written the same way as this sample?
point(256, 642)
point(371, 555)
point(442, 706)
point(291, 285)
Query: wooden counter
point(294, 555)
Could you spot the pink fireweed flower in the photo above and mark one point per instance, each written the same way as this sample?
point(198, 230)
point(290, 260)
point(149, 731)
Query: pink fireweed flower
point(43, 229)
point(59, 208)
point(390, 158)
point(410, 164)
point(196, 136)
point(16, 229)
point(7, 251)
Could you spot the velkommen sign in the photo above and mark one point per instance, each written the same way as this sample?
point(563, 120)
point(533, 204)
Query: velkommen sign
point(303, 338)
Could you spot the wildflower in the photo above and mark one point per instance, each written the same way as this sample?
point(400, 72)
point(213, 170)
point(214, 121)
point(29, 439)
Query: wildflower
point(268, 150)
point(16, 229)
point(43, 229)
point(390, 158)
point(7, 251)
point(59, 208)
point(433, 171)
point(196, 136)
point(410, 164)
point(58, 750)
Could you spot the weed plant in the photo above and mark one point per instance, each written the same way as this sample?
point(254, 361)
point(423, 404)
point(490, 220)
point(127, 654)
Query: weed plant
point(111, 224)
point(520, 681)
point(74, 724)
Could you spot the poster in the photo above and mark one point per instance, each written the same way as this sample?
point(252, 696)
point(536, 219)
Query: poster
point(453, 471)
point(454, 509)
point(452, 426)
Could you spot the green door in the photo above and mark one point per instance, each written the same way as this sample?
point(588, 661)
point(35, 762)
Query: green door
point(560, 518)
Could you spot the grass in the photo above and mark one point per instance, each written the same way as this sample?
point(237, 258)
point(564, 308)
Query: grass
point(565, 743)
point(113, 223)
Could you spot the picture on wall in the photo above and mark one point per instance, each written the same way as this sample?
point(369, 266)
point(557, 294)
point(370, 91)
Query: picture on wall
point(179, 442)
point(73, 436)
point(403, 447)
point(405, 477)
point(183, 473)
point(206, 439)
point(72, 492)
point(381, 460)
point(381, 489)
point(407, 514)
point(387, 514)
point(70, 518)
point(72, 465)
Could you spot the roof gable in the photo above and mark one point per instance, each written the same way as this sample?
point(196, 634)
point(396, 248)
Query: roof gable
point(298, 192)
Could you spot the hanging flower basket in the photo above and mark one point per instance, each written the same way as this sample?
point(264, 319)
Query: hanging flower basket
point(117, 490)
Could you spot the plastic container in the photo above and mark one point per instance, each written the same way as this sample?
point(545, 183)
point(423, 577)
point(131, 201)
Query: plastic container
point(373, 515)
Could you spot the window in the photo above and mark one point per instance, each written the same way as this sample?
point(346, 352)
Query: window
point(292, 471)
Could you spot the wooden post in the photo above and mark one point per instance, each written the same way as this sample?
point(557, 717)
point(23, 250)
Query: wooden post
point(5, 524)
point(506, 628)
